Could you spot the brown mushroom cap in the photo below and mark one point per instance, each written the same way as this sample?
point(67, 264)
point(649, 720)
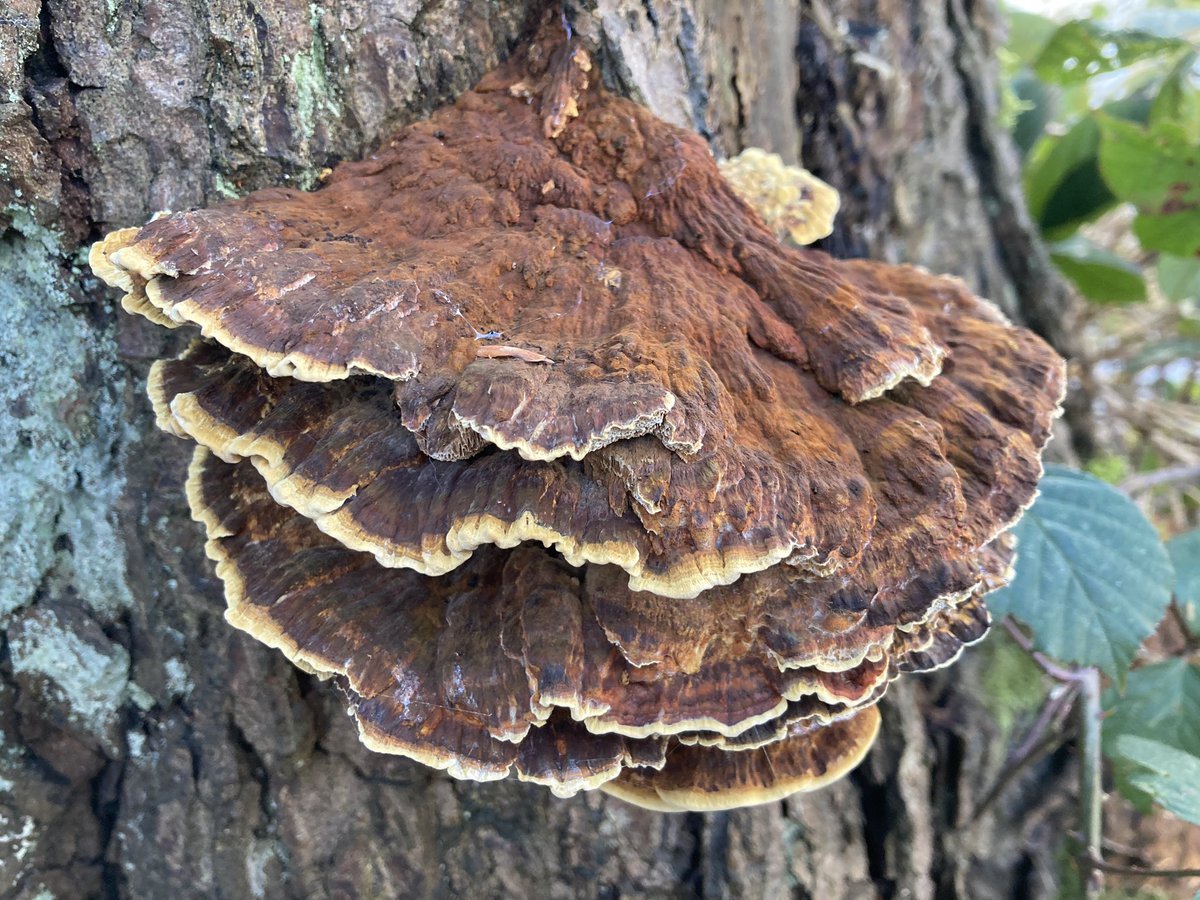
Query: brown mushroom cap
point(615, 252)
point(637, 296)
point(927, 473)
point(796, 752)
point(134, 300)
point(524, 638)
point(457, 671)
point(335, 612)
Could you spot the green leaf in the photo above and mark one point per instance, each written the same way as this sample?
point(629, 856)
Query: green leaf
point(1184, 550)
point(1033, 103)
point(1028, 34)
point(1063, 184)
point(1054, 158)
point(1161, 702)
point(1169, 775)
point(1122, 769)
point(1178, 99)
point(1157, 169)
point(1134, 107)
point(1082, 49)
point(1175, 233)
point(1099, 273)
point(1179, 278)
point(1092, 578)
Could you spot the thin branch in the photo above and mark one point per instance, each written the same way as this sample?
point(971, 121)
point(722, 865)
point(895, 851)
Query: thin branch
point(1116, 846)
point(1048, 744)
point(1049, 666)
point(1054, 710)
point(1144, 481)
point(1100, 865)
point(1018, 635)
point(1091, 787)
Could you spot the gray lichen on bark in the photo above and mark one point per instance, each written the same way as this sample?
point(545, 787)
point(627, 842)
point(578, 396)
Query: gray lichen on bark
point(63, 419)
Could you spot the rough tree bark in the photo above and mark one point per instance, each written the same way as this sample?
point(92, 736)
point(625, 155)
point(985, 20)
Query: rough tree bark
point(147, 749)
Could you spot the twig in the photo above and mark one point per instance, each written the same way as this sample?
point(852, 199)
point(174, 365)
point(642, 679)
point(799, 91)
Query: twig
point(1143, 481)
point(1117, 847)
point(1091, 787)
point(1049, 666)
point(1054, 710)
point(1018, 635)
point(1100, 865)
point(1046, 745)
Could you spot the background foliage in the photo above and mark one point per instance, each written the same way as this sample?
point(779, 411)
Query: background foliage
point(1106, 114)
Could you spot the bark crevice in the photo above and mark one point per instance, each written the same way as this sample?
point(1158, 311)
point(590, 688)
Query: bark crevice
point(1043, 301)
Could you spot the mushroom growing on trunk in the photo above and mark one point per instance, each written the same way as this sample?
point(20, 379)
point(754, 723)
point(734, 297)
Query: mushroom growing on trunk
point(530, 433)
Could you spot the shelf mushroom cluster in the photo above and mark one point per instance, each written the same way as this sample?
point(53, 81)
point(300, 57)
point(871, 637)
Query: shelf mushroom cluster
point(530, 432)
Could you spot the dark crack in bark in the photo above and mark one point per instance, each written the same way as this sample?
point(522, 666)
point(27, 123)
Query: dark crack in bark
point(1043, 299)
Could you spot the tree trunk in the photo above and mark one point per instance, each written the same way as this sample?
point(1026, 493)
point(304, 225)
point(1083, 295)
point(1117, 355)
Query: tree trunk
point(147, 748)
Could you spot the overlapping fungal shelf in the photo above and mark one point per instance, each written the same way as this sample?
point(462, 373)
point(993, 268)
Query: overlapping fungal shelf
point(530, 433)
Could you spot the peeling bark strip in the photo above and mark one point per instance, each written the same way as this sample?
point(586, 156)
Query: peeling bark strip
point(230, 774)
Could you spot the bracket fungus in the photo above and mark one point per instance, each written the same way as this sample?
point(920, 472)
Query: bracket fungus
point(530, 433)
point(792, 201)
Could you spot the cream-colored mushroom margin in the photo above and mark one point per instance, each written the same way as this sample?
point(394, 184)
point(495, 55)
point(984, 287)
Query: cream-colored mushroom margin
point(183, 416)
point(249, 618)
point(777, 729)
point(134, 300)
point(803, 683)
point(126, 265)
point(642, 790)
point(246, 617)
